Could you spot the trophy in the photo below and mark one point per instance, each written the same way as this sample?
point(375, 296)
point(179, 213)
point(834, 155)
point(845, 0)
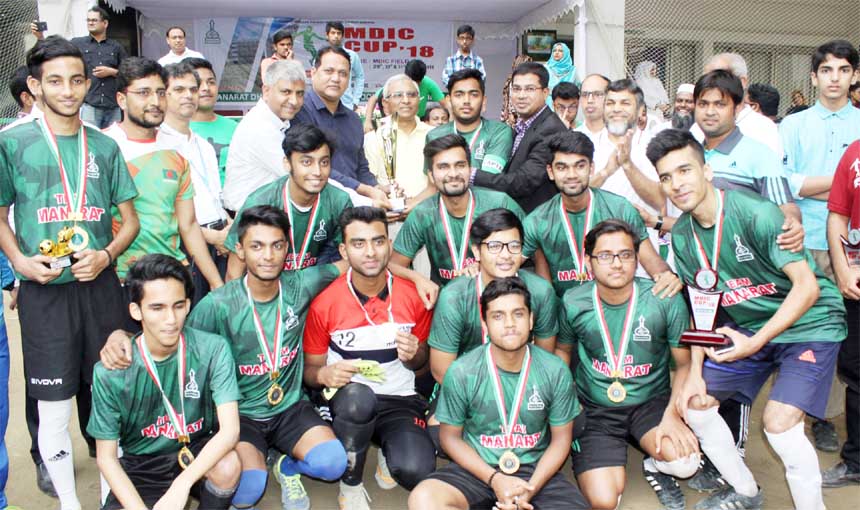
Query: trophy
point(704, 302)
point(389, 146)
point(852, 247)
point(69, 240)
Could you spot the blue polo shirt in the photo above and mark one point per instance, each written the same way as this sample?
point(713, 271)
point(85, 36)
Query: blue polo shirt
point(739, 162)
point(813, 141)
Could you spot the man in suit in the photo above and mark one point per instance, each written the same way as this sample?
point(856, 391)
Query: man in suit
point(524, 178)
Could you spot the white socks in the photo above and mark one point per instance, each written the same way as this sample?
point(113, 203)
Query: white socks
point(717, 442)
point(55, 446)
point(801, 467)
point(679, 468)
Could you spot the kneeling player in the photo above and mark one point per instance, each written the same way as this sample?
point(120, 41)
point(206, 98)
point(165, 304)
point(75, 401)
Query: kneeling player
point(163, 408)
point(625, 334)
point(506, 386)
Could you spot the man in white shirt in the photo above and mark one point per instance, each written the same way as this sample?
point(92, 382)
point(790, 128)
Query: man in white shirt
point(178, 51)
point(592, 95)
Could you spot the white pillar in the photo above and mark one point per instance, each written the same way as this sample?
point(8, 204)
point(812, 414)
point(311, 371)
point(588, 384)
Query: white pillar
point(601, 26)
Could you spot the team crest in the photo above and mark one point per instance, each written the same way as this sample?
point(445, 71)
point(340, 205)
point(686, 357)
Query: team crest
point(92, 167)
point(641, 333)
point(321, 235)
point(291, 320)
point(535, 402)
point(480, 151)
point(742, 253)
point(191, 388)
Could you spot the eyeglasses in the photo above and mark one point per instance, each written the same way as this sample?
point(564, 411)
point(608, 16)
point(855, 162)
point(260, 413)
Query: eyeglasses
point(606, 258)
point(401, 95)
point(561, 108)
point(531, 89)
point(147, 93)
point(596, 93)
point(495, 247)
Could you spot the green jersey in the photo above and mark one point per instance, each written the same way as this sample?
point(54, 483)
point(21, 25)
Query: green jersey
point(446, 237)
point(226, 312)
point(217, 132)
point(656, 325)
point(468, 400)
point(128, 407)
point(30, 179)
point(546, 229)
point(456, 324)
point(490, 144)
point(325, 230)
point(750, 269)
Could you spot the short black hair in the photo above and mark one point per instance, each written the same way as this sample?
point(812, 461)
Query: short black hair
point(565, 90)
point(571, 142)
point(337, 25)
point(416, 69)
point(18, 84)
point(727, 83)
point(266, 215)
point(533, 68)
point(178, 70)
point(466, 29)
point(306, 138)
point(503, 287)
point(494, 220)
point(627, 85)
point(766, 96)
point(443, 143)
point(363, 214)
point(156, 266)
point(50, 48)
point(467, 73)
point(280, 35)
point(102, 12)
point(839, 48)
point(330, 49)
point(199, 63)
point(175, 27)
point(670, 140)
point(135, 68)
point(610, 226)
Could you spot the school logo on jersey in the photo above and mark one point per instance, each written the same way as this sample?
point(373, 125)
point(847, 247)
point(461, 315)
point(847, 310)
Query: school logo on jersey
point(641, 333)
point(480, 151)
point(321, 235)
point(170, 174)
point(535, 402)
point(92, 167)
point(291, 320)
point(742, 253)
point(191, 388)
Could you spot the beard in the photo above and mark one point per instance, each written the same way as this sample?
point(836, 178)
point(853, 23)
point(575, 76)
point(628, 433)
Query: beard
point(142, 122)
point(619, 128)
point(682, 121)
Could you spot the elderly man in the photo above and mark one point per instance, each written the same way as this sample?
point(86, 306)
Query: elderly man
point(682, 113)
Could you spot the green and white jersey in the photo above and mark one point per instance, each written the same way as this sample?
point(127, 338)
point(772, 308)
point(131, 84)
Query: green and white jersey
point(656, 326)
point(425, 227)
point(30, 179)
point(128, 407)
point(490, 144)
point(750, 269)
point(324, 231)
point(226, 312)
point(467, 399)
point(546, 230)
point(456, 324)
point(217, 132)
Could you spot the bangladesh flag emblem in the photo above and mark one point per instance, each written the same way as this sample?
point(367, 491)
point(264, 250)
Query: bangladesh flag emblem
point(170, 174)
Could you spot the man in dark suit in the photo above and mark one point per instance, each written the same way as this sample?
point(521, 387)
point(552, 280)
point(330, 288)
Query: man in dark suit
point(525, 178)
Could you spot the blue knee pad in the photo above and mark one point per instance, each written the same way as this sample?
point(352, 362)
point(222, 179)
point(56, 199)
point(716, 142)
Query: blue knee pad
point(326, 461)
point(252, 485)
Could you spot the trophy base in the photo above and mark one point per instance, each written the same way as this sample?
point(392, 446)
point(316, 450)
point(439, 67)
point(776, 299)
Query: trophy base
point(61, 262)
point(705, 338)
point(397, 204)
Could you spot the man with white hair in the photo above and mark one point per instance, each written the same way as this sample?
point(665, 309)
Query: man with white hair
point(682, 112)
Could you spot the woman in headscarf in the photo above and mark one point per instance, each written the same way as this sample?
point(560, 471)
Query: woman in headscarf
point(509, 116)
point(560, 67)
point(656, 99)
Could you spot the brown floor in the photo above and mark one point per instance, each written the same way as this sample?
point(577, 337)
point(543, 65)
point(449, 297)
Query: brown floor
point(21, 488)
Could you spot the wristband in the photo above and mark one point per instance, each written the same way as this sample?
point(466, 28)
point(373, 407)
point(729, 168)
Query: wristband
point(490, 481)
point(110, 257)
point(659, 225)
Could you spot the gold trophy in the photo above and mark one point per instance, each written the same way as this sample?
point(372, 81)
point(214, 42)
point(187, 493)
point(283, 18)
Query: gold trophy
point(389, 147)
point(69, 240)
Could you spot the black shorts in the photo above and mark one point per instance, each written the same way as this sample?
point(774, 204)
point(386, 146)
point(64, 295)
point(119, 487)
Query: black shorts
point(281, 431)
point(608, 431)
point(394, 413)
point(557, 494)
point(63, 328)
point(152, 475)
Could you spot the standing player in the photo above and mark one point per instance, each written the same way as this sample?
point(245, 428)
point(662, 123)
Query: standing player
point(214, 128)
point(442, 222)
point(61, 174)
point(371, 315)
point(507, 411)
point(173, 409)
point(787, 316)
point(626, 337)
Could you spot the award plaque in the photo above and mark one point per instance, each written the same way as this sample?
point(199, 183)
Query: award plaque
point(704, 304)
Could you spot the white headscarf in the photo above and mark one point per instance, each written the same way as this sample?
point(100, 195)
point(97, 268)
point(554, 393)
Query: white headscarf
point(651, 86)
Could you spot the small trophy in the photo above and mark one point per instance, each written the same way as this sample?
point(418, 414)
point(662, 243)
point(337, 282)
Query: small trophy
point(704, 302)
point(852, 247)
point(389, 146)
point(69, 240)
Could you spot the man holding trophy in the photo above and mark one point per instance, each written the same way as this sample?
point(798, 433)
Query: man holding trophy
point(787, 316)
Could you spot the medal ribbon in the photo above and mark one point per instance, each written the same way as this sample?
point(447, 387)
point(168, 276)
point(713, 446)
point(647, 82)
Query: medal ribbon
point(298, 262)
point(272, 358)
point(475, 136)
point(177, 420)
point(616, 362)
point(577, 250)
point(460, 260)
point(508, 421)
point(363, 309)
point(71, 198)
point(718, 224)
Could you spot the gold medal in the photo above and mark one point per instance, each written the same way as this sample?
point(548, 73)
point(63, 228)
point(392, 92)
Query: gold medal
point(185, 457)
point(616, 392)
point(509, 463)
point(79, 239)
point(275, 394)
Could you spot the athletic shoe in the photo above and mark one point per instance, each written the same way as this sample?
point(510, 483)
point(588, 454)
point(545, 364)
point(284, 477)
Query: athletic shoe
point(824, 436)
point(383, 476)
point(43, 480)
point(272, 457)
point(727, 499)
point(293, 494)
point(840, 475)
point(666, 488)
point(353, 498)
point(707, 479)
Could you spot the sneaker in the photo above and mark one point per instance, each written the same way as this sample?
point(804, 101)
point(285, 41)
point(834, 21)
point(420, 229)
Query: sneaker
point(727, 499)
point(667, 490)
point(353, 498)
point(707, 479)
point(43, 480)
point(293, 494)
point(272, 457)
point(824, 436)
point(383, 476)
point(840, 475)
